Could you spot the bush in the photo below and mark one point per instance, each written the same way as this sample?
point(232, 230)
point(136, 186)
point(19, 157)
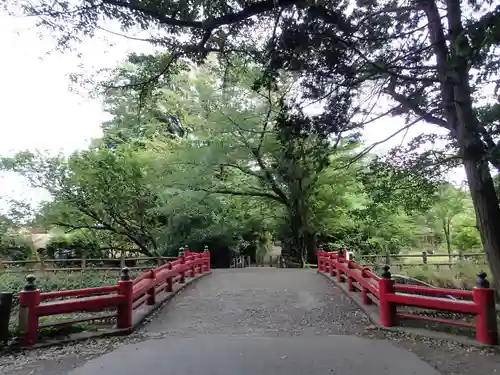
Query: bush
point(462, 275)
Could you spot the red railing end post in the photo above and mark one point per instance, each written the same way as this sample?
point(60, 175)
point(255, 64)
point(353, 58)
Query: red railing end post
point(29, 300)
point(486, 322)
point(152, 290)
point(364, 291)
point(169, 279)
point(350, 284)
point(387, 308)
point(340, 254)
point(183, 262)
point(126, 289)
point(333, 268)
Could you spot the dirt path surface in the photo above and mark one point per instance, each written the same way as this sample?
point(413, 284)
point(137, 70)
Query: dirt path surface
point(279, 318)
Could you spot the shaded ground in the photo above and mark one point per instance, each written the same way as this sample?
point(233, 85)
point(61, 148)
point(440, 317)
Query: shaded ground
point(258, 304)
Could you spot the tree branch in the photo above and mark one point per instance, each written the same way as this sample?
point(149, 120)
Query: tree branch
point(244, 193)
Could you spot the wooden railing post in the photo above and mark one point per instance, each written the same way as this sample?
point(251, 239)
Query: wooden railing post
point(319, 256)
point(486, 322)
point(192, 272)
point(169, 279)
point(183, 263)
point(126, 289)
point(29, 300)
point(333, 268)
point(152, 290)
point(350, 285)
point(424, 257)
point(364, 292)
point(387, 308)
point(340, 255)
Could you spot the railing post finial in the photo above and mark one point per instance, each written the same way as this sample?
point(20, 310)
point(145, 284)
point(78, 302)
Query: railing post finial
point(181, 251)
point(205, 249)
point(30, 283)
point(481, 281)
point(125, 276)
point(387, 273)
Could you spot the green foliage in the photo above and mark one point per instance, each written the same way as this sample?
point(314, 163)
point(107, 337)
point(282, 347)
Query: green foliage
point(463, 275)
point(223, 161)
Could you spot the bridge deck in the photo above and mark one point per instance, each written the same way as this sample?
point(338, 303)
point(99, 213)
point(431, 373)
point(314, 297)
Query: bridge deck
point(259, 321)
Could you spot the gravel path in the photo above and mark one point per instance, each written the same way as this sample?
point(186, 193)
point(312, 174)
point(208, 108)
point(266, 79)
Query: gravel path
point(257, 302)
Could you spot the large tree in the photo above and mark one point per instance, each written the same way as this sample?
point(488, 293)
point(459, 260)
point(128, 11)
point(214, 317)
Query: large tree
point(433, 58)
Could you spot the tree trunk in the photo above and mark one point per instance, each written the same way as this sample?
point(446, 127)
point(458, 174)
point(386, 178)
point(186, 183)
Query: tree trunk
point(297, 239)
point(487, 212)
point(446, 230)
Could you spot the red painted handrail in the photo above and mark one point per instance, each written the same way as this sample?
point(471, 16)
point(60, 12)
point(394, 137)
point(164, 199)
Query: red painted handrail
point(126, 296)
point(384, 292)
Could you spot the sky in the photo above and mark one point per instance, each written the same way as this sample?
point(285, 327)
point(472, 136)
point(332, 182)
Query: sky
point(40, 112)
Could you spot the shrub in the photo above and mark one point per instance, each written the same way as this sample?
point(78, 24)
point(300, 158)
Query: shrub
point(462, 275)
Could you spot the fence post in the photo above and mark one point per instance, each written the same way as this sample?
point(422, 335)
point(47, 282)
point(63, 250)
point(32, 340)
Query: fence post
point(387, 258)
point(126, 289)
point(152, 290)
point(364, 292)
point(387, 308)
point(319, 256)
point(29, 300)
point(486, 323)
point(424, 257)
point(206, 253)
point(183, 263)
point(122, 261)
point(169, 279)
point(84, 262)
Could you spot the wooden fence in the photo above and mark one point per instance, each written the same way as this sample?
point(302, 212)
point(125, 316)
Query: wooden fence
point(82, 264)
point(406, 260)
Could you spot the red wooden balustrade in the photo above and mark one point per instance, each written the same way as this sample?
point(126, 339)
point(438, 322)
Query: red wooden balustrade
point(124, 297)
point(384, 292)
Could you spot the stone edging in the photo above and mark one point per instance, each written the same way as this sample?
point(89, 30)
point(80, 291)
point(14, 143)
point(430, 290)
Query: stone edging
point(373, 314)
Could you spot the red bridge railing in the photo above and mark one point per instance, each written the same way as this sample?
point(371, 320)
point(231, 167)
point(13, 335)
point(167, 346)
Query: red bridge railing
point(122, 299)
point(384, 292)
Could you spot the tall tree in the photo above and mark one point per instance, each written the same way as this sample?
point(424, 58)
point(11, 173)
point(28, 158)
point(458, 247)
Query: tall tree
point(449, 203)
point(99, 189)
point(433, 59)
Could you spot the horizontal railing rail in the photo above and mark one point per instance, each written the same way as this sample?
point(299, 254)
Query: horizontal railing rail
point(116, 301)
point(388, 295)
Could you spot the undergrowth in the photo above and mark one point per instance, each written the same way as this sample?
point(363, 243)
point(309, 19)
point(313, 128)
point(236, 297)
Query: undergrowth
point(462, 275)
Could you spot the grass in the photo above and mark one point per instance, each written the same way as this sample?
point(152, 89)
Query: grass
point(462, 275)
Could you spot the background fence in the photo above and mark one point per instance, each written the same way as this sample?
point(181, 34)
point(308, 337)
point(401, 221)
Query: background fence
point(437, 260)
point(82, 264)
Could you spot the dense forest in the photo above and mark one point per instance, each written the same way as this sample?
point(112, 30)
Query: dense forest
point(245, 128)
